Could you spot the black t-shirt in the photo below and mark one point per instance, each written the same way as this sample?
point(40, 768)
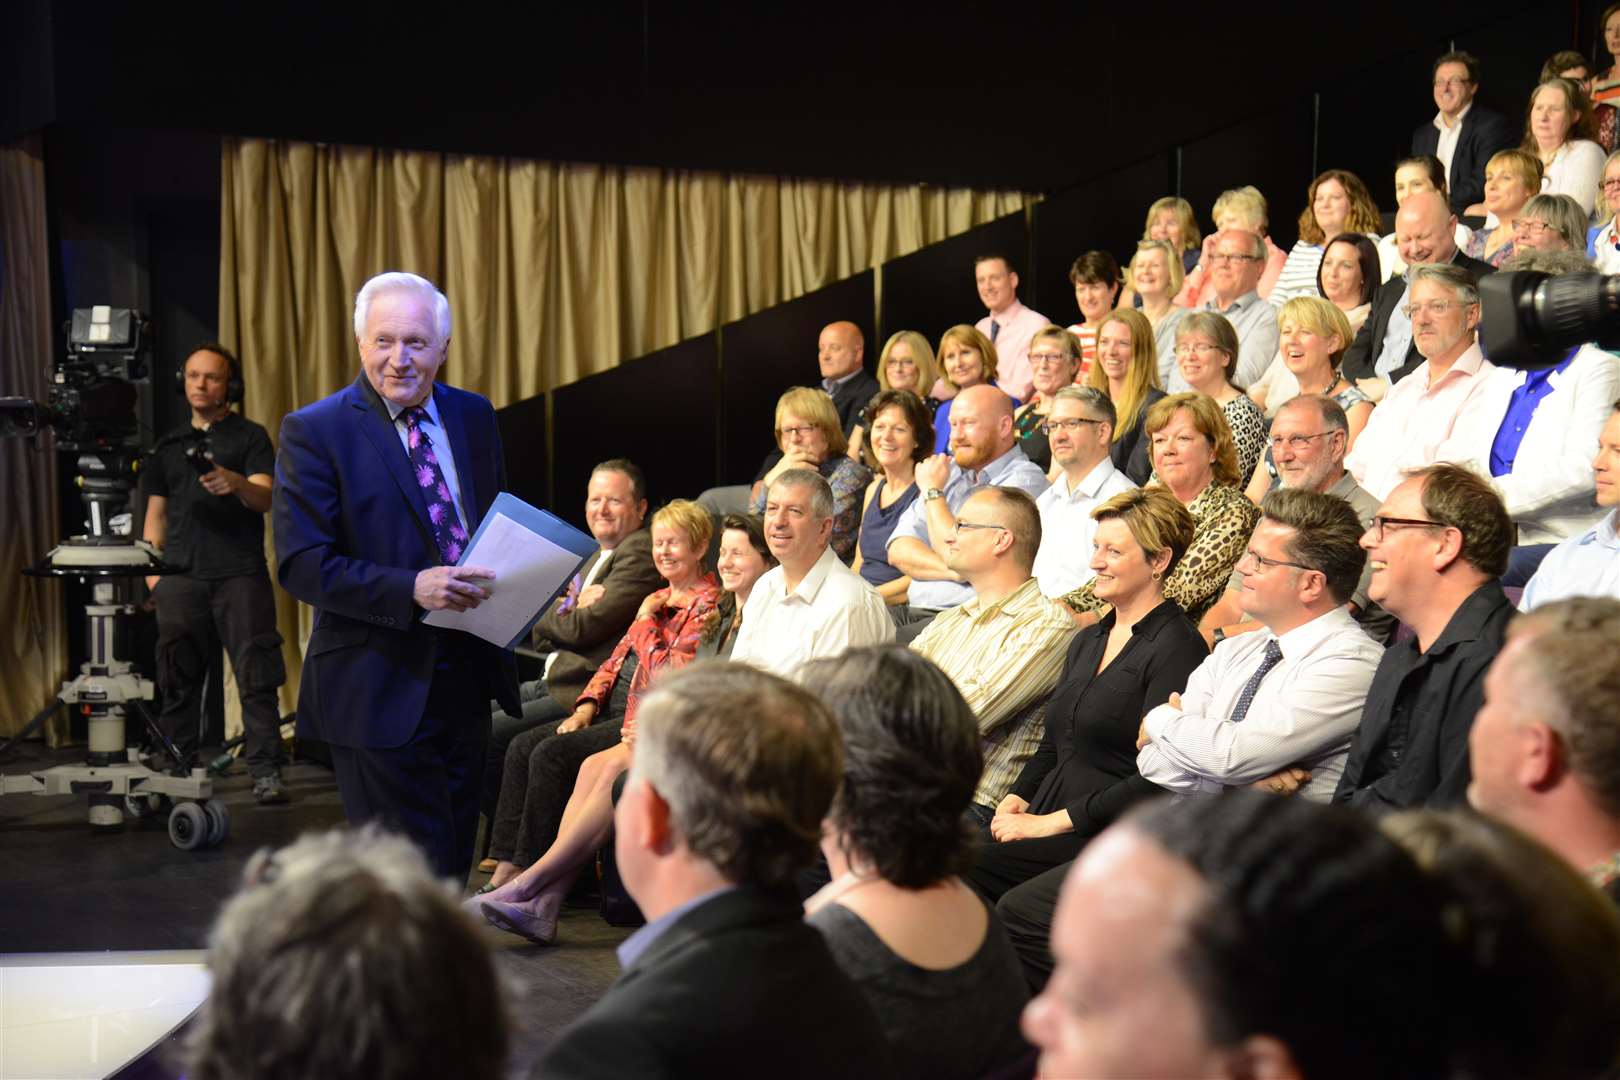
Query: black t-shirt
point(214, 535)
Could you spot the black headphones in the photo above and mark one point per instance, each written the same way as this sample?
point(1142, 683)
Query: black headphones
point(233, 382)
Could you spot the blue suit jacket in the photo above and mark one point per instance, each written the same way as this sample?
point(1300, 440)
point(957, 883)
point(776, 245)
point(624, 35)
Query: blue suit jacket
point(351, 532)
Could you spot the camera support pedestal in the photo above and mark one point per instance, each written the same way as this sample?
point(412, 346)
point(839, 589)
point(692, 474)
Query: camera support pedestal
point(106, 690)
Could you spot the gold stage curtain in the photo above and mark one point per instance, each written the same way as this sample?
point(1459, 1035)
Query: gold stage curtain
point(553, 271)
point(33, 634)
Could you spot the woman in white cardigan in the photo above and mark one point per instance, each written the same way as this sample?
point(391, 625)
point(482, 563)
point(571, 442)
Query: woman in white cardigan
point(1539, 453)
point(1559, 130)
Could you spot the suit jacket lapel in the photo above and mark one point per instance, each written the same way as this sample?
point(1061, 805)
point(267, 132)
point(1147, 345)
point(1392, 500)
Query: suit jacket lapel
point(380, 431)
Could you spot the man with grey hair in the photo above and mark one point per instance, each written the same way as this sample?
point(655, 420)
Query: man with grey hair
point(1436, 413)
point(342, 956)
point(378, 489)
point(1080, 429)
point(733, 773)
point(1238, 260)
point(1544, 749)
point(810, 604)
point(1308, 440)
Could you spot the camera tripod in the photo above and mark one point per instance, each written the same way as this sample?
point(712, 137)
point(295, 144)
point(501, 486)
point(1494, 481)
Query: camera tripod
point(106, 690)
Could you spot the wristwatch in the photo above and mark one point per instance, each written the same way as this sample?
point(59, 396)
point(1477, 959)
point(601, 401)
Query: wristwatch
point(1219, 634)
point(933, 493)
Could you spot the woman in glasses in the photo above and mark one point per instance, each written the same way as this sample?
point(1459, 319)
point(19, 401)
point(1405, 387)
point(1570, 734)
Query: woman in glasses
point(1550, 223)
point(1603, 243)
point(1127, 370)
point(1054, 361)
point(1132, 660)
point(1195, 461)
point(1511, 178)
point(1206, 351)
point(811, 437)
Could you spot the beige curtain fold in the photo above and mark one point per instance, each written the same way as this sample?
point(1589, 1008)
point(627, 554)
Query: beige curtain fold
point(554, 271)
point(33, 634)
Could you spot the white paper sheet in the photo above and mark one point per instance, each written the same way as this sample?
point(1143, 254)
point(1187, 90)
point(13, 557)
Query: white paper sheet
point(528, 569)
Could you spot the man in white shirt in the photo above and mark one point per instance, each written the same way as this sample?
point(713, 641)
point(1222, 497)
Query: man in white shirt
point(1587, 564)
point(811, 605)
point(1009, 325)
point(1079, 428)
point(1238, 261)
point(984, 452)
point(1462, 135)
point(1436, 413)
point(1278, 706)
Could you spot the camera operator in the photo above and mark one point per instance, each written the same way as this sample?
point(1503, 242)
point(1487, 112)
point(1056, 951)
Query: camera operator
point(208, 487)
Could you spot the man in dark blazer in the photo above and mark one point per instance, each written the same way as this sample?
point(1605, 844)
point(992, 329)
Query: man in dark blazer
point(733, 771)
point(378, 490)
point(1481, 133)
point(1425, 232)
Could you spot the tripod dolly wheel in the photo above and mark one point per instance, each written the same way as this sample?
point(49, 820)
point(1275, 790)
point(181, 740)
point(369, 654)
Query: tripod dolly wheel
point(188, 826)
point(219, 822)
point(139, 805)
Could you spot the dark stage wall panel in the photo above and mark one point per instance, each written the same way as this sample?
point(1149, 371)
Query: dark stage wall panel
point(1103, 214)
point(523, 437)
point(767, 353)
point(1272, 152)
point(658, 411)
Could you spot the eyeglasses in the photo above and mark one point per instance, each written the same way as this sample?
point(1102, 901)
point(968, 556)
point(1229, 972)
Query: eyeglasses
point(1219, 258)
point(1044, 358)
point(1295, 442)
point(1441, 84)
point(1071, 425)
point(1611, 183)
point(1201, 348)
point(960, 525)
point(799, 431)
point(1266, 564)
point(1432, 308)
point(1531, 228)
point(1380, 525)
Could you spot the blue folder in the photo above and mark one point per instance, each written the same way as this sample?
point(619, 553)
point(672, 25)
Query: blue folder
point(548, 525)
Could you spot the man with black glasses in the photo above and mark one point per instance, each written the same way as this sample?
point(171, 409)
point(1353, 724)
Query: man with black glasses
point(1235, 267)
point(1080, 429)
point(1437, 546)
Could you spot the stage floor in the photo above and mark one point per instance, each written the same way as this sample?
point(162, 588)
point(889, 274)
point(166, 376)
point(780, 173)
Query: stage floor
point(71, 900)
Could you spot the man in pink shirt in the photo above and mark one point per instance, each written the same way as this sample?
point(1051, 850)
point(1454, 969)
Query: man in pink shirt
point(1439, 412)
point(1009, 326)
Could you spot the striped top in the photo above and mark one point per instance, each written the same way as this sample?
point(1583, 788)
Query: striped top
point(1298, 277)
point(1004, 657)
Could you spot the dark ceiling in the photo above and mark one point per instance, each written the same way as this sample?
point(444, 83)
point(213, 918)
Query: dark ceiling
point(1032, 96)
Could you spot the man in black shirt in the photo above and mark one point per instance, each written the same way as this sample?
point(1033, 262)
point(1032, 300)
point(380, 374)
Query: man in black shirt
point(1436, 547)
point(208, 489)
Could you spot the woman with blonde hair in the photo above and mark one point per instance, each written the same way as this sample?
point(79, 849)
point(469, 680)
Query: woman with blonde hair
point(1170, 220)
point(1512, 178)
point(1195, 460)
point(1154, 277)
point(1336, 202)
point(966, 358)
point(906, 363)
point(810, 437)
point(1127, 370)
point(1603, 242)
point(1559, 129)
point(1054, 360)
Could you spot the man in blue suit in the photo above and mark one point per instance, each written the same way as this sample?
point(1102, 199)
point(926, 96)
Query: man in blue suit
point(378, 488)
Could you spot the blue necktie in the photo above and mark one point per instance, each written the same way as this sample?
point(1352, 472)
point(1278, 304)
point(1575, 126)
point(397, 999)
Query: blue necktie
point(1252, 687)
point(995, 328)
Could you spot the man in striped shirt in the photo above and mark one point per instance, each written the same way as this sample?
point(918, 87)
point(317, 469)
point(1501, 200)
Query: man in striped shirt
point(1004, 647)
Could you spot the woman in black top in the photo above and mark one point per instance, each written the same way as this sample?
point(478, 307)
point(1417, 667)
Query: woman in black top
point(742, 560)
point(1084, 774)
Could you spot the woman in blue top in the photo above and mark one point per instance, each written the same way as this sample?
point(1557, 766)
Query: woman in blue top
point(901, 436)
point(966, 358)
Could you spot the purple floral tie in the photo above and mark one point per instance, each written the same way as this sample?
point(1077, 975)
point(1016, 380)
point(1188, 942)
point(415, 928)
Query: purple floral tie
point(448, 532)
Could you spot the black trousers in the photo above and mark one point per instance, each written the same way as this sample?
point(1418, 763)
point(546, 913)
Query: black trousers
point(539, 707)
point(1000, 867)
point(194, 618)
point(426, 789)
point(1026, 911)
point(540, 770)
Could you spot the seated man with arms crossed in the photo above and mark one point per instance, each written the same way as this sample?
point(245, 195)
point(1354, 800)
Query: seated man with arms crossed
point(986, 452)
point(811, 604)
point(733, 771)
point(1437, 547)
point(1308, 440)
point(1004, 647)
point(1275, 707)
point(1081, 430)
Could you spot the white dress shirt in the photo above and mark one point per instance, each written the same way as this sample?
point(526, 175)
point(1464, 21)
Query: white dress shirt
point(1445, 147)
point(1550, 493)
point(440, 438)
point(1417, 424)
point(1304, 713)
point(1585, 565)
point(832, 609)
point(1063, 562)
point(1016, 326)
